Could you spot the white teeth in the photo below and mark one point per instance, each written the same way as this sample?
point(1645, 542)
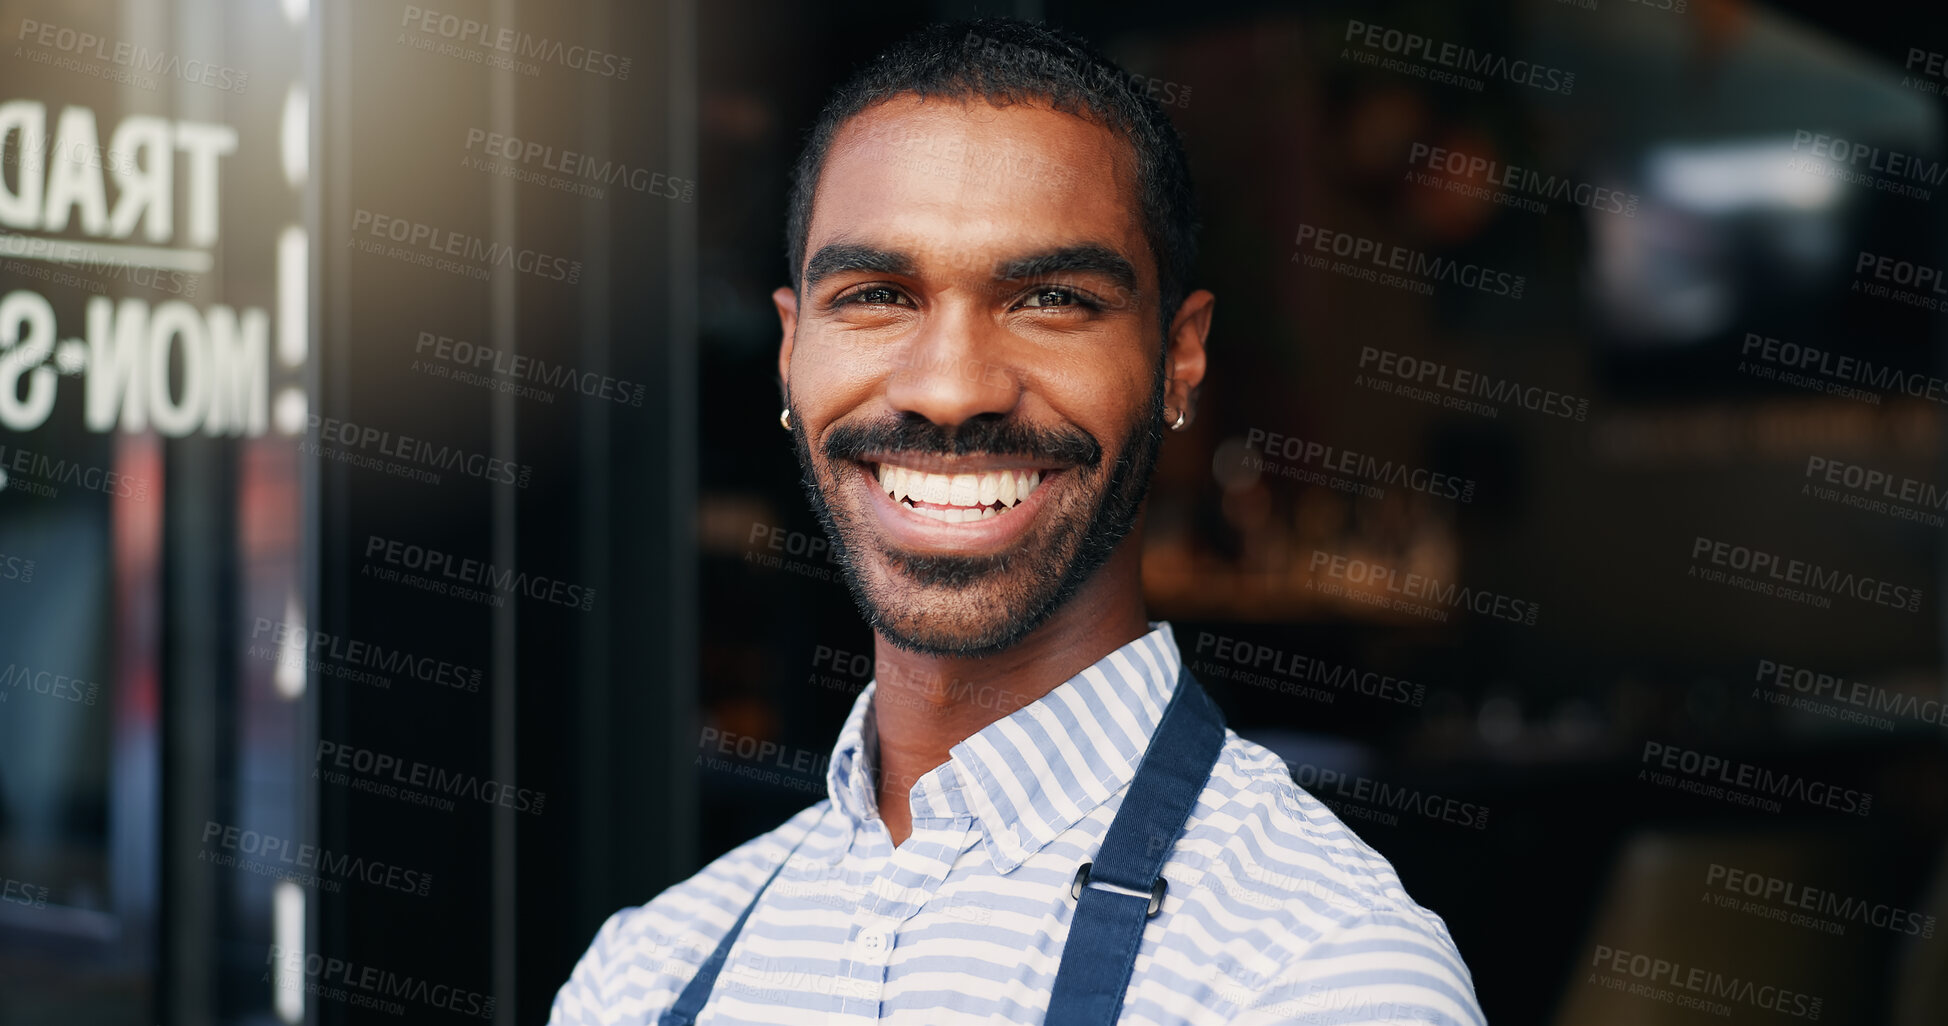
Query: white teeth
point(968, 496)
point(933, 488)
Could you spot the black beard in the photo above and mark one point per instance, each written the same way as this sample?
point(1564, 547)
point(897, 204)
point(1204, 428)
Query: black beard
point(1048, 587)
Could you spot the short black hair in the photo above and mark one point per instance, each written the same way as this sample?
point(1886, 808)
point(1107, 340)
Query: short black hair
point(1006, 61)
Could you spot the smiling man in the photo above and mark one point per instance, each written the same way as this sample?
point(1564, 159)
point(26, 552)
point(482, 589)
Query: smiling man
point(1035, 814)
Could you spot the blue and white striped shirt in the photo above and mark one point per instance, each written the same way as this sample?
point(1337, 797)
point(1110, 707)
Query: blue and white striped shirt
point(1276, 912)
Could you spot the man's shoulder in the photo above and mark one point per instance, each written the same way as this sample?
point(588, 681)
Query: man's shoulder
point(1270, 844)
point(643, 955)
point(1293, 886)
point(697, 912)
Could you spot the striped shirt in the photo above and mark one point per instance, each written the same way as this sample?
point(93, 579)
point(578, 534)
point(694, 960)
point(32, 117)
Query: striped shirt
point(1275, 913)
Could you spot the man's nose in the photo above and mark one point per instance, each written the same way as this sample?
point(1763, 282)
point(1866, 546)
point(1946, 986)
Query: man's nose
point(954, 369)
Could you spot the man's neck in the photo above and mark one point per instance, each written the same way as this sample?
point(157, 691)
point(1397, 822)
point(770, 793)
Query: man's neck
point(924, 705)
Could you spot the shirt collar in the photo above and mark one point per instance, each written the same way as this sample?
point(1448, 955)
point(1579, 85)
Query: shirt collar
point(1036, 772)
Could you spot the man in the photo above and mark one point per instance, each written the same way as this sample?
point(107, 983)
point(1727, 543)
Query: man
point(1033, 814)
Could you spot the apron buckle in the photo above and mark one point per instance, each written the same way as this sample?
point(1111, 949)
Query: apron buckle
point(1082, 880)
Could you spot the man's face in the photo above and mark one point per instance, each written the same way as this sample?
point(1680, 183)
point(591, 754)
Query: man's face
point(974, 364)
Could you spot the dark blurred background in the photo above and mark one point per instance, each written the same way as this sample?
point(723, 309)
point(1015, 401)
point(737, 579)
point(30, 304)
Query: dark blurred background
point(400, 563)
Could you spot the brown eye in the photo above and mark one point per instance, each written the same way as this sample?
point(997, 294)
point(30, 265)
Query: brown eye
point(1053, 297)
point(876, 295)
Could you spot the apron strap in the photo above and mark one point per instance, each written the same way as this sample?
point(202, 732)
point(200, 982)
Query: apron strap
point(1115, 895)
point(1118, 893)
point(689, 1004)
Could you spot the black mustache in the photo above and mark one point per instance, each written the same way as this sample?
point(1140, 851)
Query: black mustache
point(992, 436)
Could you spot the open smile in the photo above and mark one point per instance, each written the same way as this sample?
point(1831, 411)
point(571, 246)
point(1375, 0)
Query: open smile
point(967, 504)
point(956, 498)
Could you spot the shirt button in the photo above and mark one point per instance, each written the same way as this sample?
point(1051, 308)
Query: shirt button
point(872, 942)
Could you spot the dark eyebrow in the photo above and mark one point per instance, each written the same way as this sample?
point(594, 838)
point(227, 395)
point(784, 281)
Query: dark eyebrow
point(843, 257)
point(1085, 259)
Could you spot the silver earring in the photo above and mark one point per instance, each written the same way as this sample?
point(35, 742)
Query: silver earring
point(1179, 426)
point(784, 418)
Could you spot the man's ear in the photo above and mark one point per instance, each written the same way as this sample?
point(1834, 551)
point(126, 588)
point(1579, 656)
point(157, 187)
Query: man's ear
point(786, 301)
point(1185, 364)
